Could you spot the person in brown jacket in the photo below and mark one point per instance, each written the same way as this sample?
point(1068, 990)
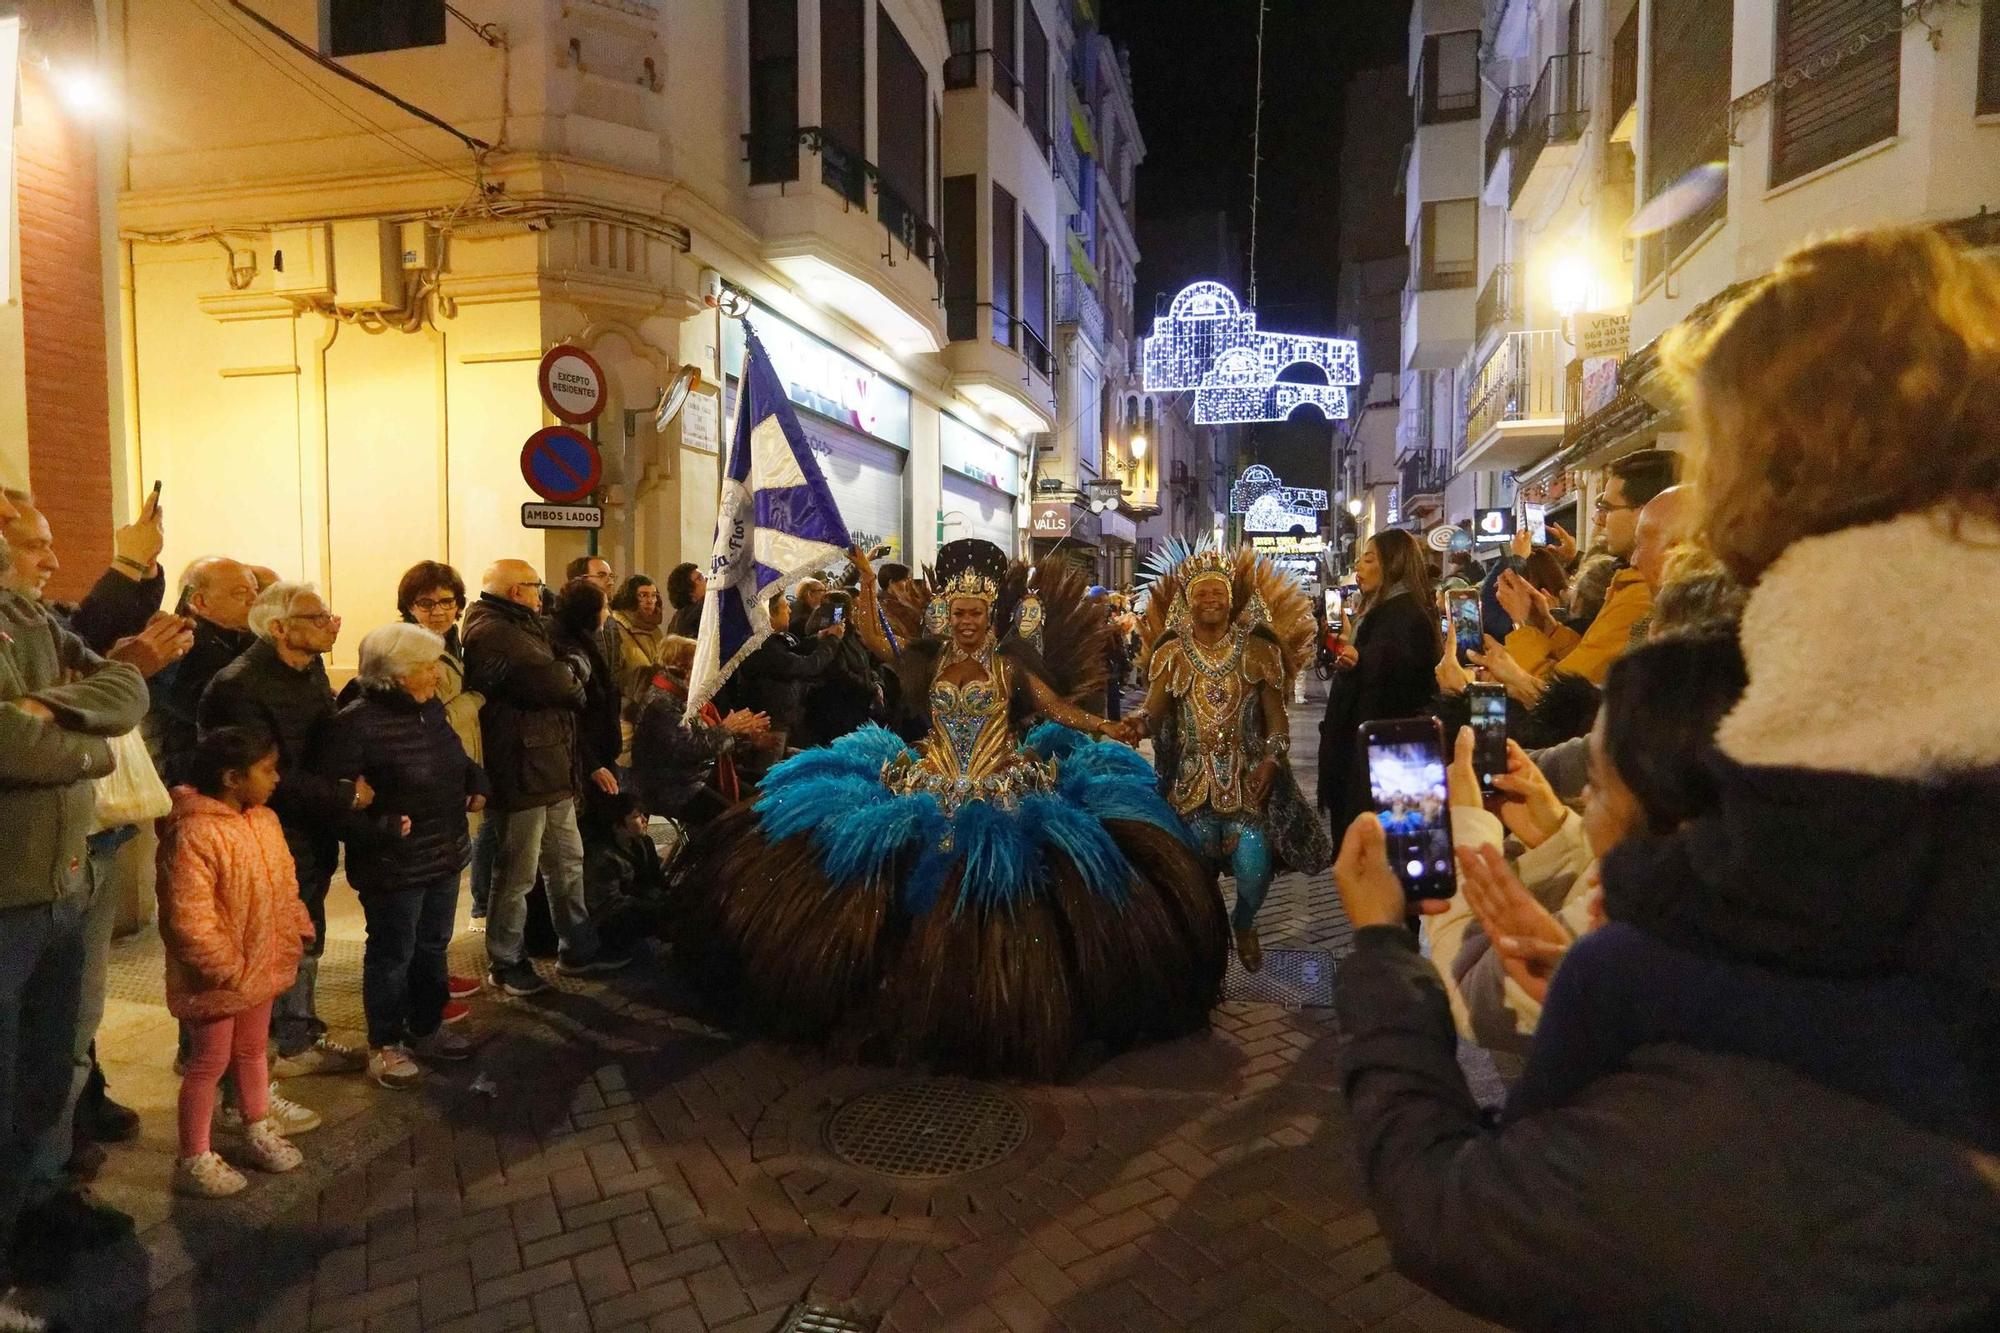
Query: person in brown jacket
point(235, 930)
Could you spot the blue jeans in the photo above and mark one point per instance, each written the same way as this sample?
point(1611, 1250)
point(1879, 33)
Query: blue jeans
point(545, 839)
point(403, 978)
point(41, 981)
point(1249, 860)
point(295, 1025)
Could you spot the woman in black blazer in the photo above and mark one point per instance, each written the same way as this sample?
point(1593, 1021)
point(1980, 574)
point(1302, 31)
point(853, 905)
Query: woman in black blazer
point(1389, 670)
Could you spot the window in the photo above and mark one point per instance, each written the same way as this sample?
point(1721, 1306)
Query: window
point(902, 92)
point(1003, 267)
point(361, 27)
point(1449, 79)
point(961, 251)
point(1844, 108)
point(774, 91)
point(1006, 83)
point(1448, 245)
point(843, 97)
point(1035, 77)
point(1989, 58)
point(1035, 296)
point(1688, 118)
point(961, 29)
point(1625, 68)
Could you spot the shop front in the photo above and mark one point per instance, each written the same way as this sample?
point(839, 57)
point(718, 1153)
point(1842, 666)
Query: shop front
point(981, 483)
point(1065, 530)
point(857, 421)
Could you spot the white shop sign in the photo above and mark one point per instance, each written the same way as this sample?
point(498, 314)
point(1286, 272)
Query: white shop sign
point(824, 379)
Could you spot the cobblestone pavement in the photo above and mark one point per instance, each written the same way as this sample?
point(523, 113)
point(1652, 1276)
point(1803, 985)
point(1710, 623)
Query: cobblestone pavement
point(635, 1168)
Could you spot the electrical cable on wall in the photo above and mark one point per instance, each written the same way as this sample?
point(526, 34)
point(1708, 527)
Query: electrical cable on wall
point(1256, 148)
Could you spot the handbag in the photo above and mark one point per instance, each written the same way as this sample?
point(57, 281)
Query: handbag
point(131, 793)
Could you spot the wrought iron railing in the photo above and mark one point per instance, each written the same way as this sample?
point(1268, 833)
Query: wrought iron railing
point(1499, 299)
point(1501, 132)
point(1422, 472)
point(1521, 381)
point(1556, 112)
point(1077, 303)
point(1010, 331)
point(773, 157)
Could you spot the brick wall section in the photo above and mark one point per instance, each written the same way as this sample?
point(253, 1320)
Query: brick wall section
point(62, 293)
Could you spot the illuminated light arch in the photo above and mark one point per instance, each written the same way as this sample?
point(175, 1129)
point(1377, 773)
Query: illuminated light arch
point(1208, 343)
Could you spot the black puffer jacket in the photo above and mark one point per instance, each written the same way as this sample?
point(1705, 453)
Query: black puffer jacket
point(528, 723)
point(774, 680)
point(176, 693)
point(413, 759)
point(598, 735)
point(1397, 646)
point(295, 704)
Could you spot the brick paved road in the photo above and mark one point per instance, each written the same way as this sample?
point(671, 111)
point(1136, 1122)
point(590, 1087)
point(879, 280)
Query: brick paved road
point(638, 1169)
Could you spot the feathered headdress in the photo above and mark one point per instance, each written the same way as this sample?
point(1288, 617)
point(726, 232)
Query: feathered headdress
point(1261, 596)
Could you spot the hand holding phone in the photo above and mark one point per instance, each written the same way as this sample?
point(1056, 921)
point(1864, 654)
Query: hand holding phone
point(1462, 612)
point(1489, 733)
point(1408, 785)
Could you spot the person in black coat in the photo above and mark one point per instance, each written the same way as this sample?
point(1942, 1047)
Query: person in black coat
point(577, 636)
point(405, 851)
point(774, 679)
point(850, 696)
point(1388, 671)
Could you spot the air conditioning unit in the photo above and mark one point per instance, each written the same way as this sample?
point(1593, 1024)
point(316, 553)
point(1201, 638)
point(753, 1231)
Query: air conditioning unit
point(367, 264)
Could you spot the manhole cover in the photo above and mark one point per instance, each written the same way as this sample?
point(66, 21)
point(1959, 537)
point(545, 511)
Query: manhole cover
point(804, 1318)
point(1300, 978)
point(927, 1129)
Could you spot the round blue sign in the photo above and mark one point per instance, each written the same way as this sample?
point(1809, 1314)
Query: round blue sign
point(561, 465)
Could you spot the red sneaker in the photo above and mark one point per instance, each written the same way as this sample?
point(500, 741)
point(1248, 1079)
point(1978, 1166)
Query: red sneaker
point(455, 1011)
point(462, 988)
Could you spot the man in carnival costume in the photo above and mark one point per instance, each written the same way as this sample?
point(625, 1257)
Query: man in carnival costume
point(1228, 637)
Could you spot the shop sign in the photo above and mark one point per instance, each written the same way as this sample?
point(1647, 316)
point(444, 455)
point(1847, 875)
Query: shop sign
point(1607, 333)
point(1600, 384)
point(823, 379)
point(971, 454)
point(1290, 545)
point(1050, 519)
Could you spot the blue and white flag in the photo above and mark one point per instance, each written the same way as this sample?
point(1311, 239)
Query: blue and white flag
point(778, 524)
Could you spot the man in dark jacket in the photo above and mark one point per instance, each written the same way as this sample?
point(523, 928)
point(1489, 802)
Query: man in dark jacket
point(528, 727)
point(280, 683)
point(774, 679)
point(216, 593)
point(1691, 1190)
point(59, 705)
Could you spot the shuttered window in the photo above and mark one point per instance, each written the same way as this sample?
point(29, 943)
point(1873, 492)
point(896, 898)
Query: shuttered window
point(1843, 108)
point(1989, 58)
point(1687, 121)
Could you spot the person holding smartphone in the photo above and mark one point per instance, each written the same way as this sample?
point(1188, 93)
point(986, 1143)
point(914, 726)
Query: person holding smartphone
point(1386, 669)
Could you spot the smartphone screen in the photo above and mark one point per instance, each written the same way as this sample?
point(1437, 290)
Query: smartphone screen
point(1538, 523)
point(1406, 780)
point(1489, 732)
point(1468, 629)
point(839, 614)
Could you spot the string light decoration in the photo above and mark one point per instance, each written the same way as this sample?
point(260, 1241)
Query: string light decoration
point(1268, 505)
point(1209, 343)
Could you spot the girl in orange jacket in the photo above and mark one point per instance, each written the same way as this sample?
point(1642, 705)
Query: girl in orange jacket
point(234, 929)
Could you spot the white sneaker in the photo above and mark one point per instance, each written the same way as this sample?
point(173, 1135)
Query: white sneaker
point(290, 1117)
point(392, 1067)
point(207, 1177)
point(16, 1317)
point(443, 1044)
point(324, 1056)
point(268, 1149)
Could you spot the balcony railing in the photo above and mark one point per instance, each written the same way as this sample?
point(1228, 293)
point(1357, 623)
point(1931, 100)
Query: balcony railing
point(1556, 112)
point(1018, 334)
point(1069, 162)
point(1440, 274)
point(774, 159)
point(1499, 299)
point(1501, 132)
point(1422, 472)
point(1521, 381)
point(1077, 303)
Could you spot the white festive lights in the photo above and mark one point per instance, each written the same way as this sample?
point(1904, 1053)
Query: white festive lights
point(1209, 343)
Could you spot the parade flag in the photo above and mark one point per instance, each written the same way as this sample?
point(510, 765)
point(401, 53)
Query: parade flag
point(778, 524)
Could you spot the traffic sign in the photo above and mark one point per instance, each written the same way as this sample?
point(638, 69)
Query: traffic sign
point(560, 464)
point(572, 384)
point(562, 516)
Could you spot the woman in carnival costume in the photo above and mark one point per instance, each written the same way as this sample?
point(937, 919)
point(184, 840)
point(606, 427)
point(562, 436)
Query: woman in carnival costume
point(993, 893)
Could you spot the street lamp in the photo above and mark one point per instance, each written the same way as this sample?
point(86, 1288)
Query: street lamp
point(1137, 447)
point(1569, 286)
point(1354, 507)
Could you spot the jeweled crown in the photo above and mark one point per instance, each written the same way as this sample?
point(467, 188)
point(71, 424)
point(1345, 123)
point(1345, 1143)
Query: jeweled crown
point(1206, 564)
point(969, 583)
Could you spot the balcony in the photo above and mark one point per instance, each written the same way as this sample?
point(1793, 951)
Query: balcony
point(1077, 304)
point(1004, 369)
point(1551, 125)
point(1069, 162)
point(1422, 472)
point(1499, 300)
point(1514, 407)
point(882, 267)
point(1437, 313)
point(1499, 140)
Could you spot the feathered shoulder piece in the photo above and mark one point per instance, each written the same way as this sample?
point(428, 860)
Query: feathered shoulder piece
point(1262, 596)
point(1055, 616)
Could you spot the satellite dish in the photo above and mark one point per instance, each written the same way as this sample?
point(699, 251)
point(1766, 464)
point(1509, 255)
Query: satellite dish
point(674, 397)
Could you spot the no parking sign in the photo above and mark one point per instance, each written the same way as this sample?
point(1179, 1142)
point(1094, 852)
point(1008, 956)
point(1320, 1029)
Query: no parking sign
point(561, 465)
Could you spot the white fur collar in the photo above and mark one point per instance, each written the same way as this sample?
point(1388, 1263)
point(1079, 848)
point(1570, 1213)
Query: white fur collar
point(1875, 650)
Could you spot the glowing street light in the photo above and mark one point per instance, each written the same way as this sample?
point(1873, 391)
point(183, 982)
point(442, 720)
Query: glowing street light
point(1355, 506)
point(1138, 448)
point(83, 90)
point(1569, 285)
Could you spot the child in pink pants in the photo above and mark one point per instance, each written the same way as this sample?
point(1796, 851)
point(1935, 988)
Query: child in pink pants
point(234, 929)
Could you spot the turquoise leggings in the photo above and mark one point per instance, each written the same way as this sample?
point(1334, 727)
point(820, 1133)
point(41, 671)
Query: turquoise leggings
point(1250, 862)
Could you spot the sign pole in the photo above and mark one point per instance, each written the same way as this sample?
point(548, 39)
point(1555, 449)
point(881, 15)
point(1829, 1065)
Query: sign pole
point(590, 546)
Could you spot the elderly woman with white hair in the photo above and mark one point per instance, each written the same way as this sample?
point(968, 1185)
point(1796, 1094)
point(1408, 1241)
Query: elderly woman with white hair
point(404, 853)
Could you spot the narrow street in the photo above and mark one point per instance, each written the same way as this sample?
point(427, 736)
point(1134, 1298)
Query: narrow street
point(612, 1162)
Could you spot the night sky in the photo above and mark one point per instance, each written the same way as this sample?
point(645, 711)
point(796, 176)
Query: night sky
point(1194, 72)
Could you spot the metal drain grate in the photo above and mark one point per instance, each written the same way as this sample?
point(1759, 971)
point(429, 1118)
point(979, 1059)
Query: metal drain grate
point(818, 1319)
point(927, 1129)
point(1296, 978)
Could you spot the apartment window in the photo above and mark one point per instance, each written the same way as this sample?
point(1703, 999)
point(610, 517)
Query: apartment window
point(362, 27)
point(1449, 79)
point(1035, 78)
point(1035, 296)
point(1006, 58)
point(1003, 267)
point(1448, 245)
point(1625, 68)
point(1843, 109)
point(961, 30)
point(1989, 58)
point(774, 91)
point(843, 97)
point(1688, 118)
point(961, 249)
point(902, 92)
